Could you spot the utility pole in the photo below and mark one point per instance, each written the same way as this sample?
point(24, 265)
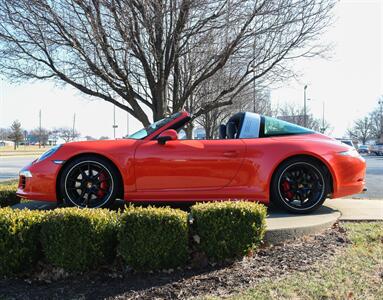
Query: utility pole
point(40, 128)
point(304, 106)
point(73, 128)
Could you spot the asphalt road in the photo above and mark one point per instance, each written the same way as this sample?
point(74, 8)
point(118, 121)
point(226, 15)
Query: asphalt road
point(10, 166)
point(374, 178)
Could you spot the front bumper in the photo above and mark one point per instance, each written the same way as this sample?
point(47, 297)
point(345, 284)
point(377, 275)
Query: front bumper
point(37, 181)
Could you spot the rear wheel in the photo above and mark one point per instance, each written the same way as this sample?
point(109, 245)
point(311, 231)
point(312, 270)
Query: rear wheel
point(300, 185)
point(89, 181)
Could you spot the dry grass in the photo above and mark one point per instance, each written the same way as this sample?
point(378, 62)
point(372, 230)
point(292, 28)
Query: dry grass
point(355, 274)
point(22, 150)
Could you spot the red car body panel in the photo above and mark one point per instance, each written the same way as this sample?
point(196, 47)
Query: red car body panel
point(199, 170)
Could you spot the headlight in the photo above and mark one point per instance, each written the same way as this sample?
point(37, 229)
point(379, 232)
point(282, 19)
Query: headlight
point(48, 153)
point(351, 152)
point(25, 173)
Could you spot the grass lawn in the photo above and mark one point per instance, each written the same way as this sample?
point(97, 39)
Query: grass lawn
point(8, 184)
point(356, 273)
point(22, 150)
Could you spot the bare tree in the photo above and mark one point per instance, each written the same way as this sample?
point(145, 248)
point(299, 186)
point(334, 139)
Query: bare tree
point(295, 114)
point(41, 135)
point(16, 133)
point(4, 134)
point(68, 134)
point(376, 119)
point(131, 53)
point(257, 101)
point(361, 130)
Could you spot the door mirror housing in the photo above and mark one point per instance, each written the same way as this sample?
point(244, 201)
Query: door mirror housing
point(167, 135)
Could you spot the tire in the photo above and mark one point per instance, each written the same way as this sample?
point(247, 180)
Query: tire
point(300, 185)
point(89, 181)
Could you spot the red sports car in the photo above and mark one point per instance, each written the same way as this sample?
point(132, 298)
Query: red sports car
point(256, 158)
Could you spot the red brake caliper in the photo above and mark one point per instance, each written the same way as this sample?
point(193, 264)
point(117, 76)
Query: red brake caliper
point(103, 185)
point(286, 189)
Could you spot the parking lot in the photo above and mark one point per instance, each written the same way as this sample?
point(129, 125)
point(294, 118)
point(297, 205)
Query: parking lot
point(374, 178)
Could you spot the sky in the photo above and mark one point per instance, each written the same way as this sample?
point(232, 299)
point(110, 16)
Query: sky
point(349, 83)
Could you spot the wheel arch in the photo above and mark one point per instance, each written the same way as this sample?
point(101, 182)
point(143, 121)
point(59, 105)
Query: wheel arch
point(317, 159)
point(121, 188)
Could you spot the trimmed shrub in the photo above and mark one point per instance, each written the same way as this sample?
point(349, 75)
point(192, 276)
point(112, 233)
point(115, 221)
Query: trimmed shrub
point(79, 239)
point(153, 238)
point(19, 240)
point(225, 230)
point(8, 195)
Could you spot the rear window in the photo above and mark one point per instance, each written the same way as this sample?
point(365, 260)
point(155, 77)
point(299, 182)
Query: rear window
point(276, 127)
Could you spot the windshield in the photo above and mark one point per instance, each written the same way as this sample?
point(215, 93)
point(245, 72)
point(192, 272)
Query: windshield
point(276, 127)
point(144, 132)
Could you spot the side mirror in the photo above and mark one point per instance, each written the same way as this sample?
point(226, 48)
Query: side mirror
point(167, 135)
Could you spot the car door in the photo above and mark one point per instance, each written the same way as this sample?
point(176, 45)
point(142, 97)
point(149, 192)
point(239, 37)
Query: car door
point(187, 164)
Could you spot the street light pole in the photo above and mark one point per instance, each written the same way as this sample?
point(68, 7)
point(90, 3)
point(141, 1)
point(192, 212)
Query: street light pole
point(323, 129)
point(304, 107)
point(114, 122)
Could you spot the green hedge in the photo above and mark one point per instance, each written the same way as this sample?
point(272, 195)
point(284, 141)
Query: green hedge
point(79, 239)
point(153, 238)
point(8, 195)
point(146, 238)
point(19, 240)
point(227, 229)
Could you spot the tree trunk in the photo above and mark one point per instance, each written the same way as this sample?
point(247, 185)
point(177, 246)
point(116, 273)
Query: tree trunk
point(189, 131)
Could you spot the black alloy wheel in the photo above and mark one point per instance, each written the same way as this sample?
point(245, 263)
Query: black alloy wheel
point(300, 185)
point(89, 182)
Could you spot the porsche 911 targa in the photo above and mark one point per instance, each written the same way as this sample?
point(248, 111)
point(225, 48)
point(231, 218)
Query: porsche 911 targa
point(256, 157)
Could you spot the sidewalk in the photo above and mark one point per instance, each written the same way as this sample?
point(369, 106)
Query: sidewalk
point(357, 209)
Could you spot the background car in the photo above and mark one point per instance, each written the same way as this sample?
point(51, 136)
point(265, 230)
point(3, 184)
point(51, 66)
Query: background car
point(257, 158)
point(377, 149)
point(363, 149)
point(347, 142)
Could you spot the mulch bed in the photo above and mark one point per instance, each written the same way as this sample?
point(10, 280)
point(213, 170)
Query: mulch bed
point(219, 280)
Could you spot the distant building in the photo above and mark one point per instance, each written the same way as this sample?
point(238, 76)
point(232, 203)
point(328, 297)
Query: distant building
point(6, 143)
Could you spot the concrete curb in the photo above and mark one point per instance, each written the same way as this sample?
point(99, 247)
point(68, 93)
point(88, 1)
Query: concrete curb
point(283, 226)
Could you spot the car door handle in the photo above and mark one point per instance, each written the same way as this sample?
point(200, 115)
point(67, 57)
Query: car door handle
point(230, 153)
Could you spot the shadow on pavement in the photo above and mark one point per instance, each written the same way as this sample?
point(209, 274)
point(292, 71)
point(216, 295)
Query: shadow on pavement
point(279, 213)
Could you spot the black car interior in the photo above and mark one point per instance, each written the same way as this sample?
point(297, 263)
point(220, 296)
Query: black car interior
point(232, 128)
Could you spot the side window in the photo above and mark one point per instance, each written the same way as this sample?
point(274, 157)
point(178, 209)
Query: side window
point(276, 127)
point(198, 134)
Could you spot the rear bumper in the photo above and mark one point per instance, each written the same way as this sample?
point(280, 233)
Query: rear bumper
point(349, 175)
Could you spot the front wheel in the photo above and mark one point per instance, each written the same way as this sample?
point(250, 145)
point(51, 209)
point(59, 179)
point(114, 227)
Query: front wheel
point(89, 181)
point(300, 185)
